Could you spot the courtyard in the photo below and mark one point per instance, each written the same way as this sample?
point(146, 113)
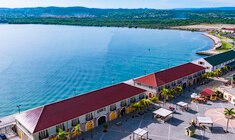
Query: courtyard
point(174, 128)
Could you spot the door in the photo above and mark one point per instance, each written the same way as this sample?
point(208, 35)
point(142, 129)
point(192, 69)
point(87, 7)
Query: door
point(101, 120)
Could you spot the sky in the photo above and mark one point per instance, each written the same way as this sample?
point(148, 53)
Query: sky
point(156, 4)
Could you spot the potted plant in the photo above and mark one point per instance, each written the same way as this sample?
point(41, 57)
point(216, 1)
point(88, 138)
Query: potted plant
point(105, 126)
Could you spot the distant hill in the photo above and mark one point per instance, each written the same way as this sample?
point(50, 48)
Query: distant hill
point(144, 18)
point(213, 8)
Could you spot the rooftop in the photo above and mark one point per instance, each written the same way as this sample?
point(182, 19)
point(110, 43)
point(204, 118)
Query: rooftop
point(220, 58)
point(169, 75)
point(207, 92)
point(230, 90)
point(50, 115)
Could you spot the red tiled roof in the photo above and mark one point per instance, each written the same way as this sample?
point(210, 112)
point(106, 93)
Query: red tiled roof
point(231, 29)
point(169, 75)
point(50, 115)
point(207, 92)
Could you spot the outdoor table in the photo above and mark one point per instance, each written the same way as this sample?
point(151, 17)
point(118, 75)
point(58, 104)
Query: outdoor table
point(140, 132)
point(162, 112)
point(182, 104)
point(205, 120)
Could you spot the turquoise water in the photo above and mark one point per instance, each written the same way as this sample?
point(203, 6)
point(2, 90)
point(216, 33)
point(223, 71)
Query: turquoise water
point(40, 64)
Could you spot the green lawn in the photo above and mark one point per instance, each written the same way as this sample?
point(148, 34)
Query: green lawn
point(225, 46)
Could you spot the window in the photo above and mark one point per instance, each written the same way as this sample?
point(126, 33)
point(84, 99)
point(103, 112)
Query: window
point(113, 107)
point(101, 110)
point(75, 122)
point(150, 87)
point(141, 96)
point(89, 117)
point(201, 63)
point(123, 103)
point(234, 100)
point(43, 134)
point(60, 126)
point(132, 100)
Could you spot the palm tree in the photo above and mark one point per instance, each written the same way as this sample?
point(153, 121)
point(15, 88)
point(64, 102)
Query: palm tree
point(77, 130)
point(62, 135)
point(225, 68)
point(228, 112)
point(154, 99)
point(137, 106)
point(166, 93)
point(179, 89)
point(145, 103)
point(217, 72)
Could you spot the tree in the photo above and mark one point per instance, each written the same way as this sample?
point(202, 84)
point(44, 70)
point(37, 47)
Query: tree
point(145, 103)
point(179, 89)
point(166, 93)
point(154, 99)
point(137, 106)
point(218, 72)
point(62, 135)
point(77, 129)
point(225, 68)
point(228, 112)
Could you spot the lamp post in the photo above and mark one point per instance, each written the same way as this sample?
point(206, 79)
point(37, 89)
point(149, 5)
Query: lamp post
point(18, 106)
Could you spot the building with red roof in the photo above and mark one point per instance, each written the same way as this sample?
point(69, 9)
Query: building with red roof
point(208, 94)
point(88, 110)
point(184, 75)
point(228, 30)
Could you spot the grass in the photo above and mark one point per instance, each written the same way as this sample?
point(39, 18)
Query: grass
point(225, 46)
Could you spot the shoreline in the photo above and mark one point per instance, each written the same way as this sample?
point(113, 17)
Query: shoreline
point(212, 51)
point(205, 34)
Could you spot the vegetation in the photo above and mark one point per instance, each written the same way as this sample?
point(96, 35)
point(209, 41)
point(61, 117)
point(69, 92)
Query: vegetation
point(225, 46)
point(138, 107)
point(154, 99)
point(77, 129)
point(228, 112)
point(179, 89)
point(105, 126)
point(62, 135)
point(132, 18)
point(166, 93)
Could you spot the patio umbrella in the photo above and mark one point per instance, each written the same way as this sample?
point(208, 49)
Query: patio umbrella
point(194, 95)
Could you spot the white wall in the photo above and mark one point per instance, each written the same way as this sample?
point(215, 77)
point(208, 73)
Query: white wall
point(205, 64)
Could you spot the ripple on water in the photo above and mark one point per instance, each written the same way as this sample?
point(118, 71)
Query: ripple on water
point(47, 63)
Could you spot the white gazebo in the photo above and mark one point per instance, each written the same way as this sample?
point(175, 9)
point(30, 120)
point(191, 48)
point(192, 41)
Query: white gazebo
point(162, 113)
point(140, 133)
point(182, 105)
point(205, 120)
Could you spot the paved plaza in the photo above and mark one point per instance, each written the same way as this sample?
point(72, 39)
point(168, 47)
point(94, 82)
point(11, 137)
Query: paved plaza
point(173, 129)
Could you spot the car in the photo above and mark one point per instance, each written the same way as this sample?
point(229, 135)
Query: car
point(3, 137)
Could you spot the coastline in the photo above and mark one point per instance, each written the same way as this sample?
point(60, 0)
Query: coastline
point(121, 27)
point(212, 51)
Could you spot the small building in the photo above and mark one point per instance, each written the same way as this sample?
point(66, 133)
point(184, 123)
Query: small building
point(208, 94)
point(229, 94)
point(184, 75)
point(228, 30)
point(214, 62)
point(89, 110)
